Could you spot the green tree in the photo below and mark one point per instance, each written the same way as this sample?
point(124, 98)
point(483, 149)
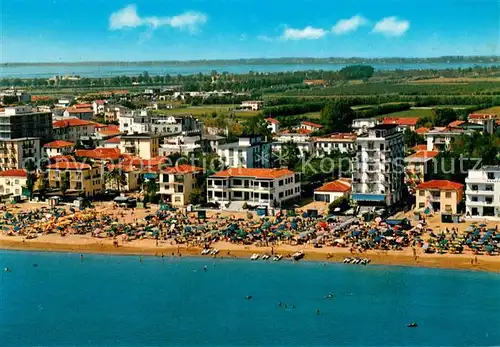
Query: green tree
point(150, 189)
point(337, 116)
point(412, 138)
point(256, 126)
point(444, 116)
point(341, 203)
point(116, 178)
point(290, 154)
point(196, 197)
point(64, 184)
point(356, 72)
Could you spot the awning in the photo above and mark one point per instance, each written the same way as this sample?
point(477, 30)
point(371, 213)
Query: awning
point(368, 197)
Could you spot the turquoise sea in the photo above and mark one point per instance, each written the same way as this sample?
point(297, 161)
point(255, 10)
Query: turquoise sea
point(121, 301)
point(43, 71)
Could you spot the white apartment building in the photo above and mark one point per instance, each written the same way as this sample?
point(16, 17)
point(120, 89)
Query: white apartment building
point(486, 120)
point(253, 105)
point(139, 122)
point(72, 129)
point(442, 138)
point(361, 125)
point(482, 194)
point(255, 187)
point(12, 182)
point(378, 166)
point(302, 138)
point(339, 142)
point(179, 144)
point(98, 106)
point(58, 147)
point(177, 183)
point(248, 152)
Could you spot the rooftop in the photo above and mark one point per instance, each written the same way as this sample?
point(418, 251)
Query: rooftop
point(58, 144)
point(68, 165)
point(422, 155)
point(14, 173)
point(99, 153)
point(254, 173)
point(71, 122)
point(181, 169)
point(422, 130)
point(79, 110)
point(338, 186)
point(440, 185)
point(482, 116)
point(456, 123)
point(115, 139)
point(272, 120)
point(408, 121)
point(311, 124)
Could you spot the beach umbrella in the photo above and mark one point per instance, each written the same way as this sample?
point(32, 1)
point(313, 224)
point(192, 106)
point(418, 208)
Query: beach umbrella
point(482, 225)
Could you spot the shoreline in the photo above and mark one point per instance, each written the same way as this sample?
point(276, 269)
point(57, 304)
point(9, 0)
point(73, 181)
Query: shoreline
point(79, 244)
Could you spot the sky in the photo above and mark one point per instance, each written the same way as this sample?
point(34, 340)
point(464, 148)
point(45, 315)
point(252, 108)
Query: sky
point(137, 30)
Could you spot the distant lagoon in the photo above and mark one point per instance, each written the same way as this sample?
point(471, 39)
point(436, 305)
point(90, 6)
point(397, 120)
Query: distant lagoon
point(134, 69)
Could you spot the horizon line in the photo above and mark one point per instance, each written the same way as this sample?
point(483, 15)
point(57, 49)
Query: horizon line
point(493, 57)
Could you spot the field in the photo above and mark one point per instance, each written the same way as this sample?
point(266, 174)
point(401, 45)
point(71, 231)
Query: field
point(206, 110)
point(421, 112)
point(491, 110)
point(451, 80)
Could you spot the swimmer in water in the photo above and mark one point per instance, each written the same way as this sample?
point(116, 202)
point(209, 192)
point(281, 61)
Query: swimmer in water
point(205, 268)
point(249, 297)
point(329, 296)
point(7, 269)
point(317, 311)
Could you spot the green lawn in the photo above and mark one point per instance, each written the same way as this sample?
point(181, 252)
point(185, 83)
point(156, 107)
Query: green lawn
point(410, 113)
point(491, 110)
point(199, 111)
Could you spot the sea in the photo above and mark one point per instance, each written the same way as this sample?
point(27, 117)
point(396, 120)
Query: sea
point(59, 299)
point(110, 70)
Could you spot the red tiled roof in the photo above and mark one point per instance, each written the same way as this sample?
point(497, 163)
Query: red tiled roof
point(110, 132)
point(257, 173)
point(481, 116)
point(298, 131)
point(456, 123)
point(40, 97)
point(419, 148)
point(100, 102)
point(409, 121)
point(72, 122)
point(311, 124)
point(441, 185)
point(183, 168)
point(424, 154)
point(83, 106)
point(99, 153)
point(338, 186)
point(115, 139)
point(79, 110)
point(337, 136)
point(422, 130)
point(272, 120)
point(14, 173)
point(58, 144)
point(59, 158)
point(68, 165)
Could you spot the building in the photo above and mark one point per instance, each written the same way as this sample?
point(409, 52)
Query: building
point(21, 122)
point(300, 137)
point(112, 113)
point(234, 187)
point(253, 105)
point(144, 145)
point(16, 153)
point(177, 183)
point(210, 143)
point(12, 182)
point(249, 152)
point(100, 155)
point(127, 179)
point(80, 113)
point(98, 106)
point(184, 145)
point(331, 191)
point(442, 138)
point(65, 102)
point(58, 147)
point(83, 179)
point(377, 169)
point(321, 83)
point(338, 142)
point(422, 130)
point(417, 167)
point(483, 193)
point(439, 195)
point(486, 120)
point(139, 122)
point(273, 124)
point(72, 129)
point(361, 125)
point(403, 123)
point(113, 142)
point(310, 126)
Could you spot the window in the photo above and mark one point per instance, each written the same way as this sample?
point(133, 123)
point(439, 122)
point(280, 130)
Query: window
point(180, 188)
point(448, 195)
point(447, 208)
point(16, 181)
point(177, 199)
point(488, 200)
point(281, 183)
point(264, 184)
point(165, 179)
point(264, 196)
point(474, 198)
point(237, 182)
point(421, 205)
point(474, 187)
point(421, 193)
point(491, 175)
point(489, 188)
point(280, 195)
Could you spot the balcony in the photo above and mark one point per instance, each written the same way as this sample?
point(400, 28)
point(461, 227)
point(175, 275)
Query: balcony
point(479, 192)
point(478, 203)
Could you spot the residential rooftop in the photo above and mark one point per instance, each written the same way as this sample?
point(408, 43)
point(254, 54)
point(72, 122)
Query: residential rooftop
point(253, 173)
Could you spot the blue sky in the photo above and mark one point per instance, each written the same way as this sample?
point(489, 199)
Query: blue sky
point(97, 30)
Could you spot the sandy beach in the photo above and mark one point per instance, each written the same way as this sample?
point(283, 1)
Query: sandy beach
point(87, 243)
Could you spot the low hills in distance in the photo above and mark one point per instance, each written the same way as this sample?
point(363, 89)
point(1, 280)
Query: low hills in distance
point(271, 61)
